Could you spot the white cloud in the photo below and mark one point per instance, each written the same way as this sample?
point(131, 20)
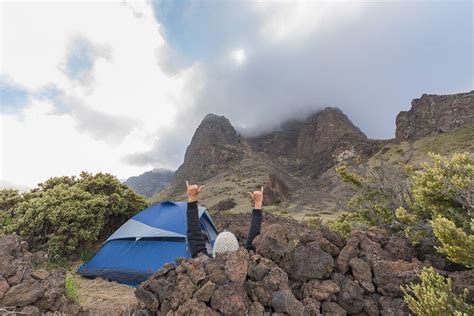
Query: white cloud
point(296, 20)
point(128, 102)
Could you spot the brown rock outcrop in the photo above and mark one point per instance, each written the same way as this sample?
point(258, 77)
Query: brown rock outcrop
point(291, 274)
point(24, 289)
point(434, 114)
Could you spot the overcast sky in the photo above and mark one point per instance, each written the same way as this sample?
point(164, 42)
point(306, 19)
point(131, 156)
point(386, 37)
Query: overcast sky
point(120, 87)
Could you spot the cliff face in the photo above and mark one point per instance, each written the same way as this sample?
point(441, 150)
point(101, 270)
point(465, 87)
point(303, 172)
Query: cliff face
point(214, 146)
point(435, 113)
point(317, 143)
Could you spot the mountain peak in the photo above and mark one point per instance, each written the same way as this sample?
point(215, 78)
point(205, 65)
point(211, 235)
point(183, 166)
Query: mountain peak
point(214, 146)
point(211, 117)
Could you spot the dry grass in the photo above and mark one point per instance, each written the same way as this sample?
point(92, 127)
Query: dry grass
point(106, 297)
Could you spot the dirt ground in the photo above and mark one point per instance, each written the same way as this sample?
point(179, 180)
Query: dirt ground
point(105, 298)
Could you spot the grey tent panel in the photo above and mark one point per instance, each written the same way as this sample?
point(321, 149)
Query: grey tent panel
point(137, 230)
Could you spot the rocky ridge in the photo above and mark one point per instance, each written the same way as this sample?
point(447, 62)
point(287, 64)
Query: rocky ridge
point(435, 114)
point(297, 160)
point(294, 271)
point(295, 155)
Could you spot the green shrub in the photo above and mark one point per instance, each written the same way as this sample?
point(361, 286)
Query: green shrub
point(66, 215)
point(443, 207)
point(378, 193)
point(455, 243)
point(445, 188)
point(434, 296)
point(342, 224)
point(433, 203)
point(8, 199)
point(71, 288)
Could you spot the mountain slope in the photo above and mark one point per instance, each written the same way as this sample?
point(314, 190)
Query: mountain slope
point(296, 163)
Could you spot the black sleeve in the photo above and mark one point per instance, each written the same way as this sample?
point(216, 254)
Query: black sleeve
point(195, 239)
point(254, 229)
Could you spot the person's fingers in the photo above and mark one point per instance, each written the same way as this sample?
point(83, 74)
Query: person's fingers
point(201, 188)
point(251, 194)
point(187, 184)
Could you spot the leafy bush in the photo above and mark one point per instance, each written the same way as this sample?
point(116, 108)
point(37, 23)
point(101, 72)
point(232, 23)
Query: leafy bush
point(443, 207)
point(434, 203)
point(342, 224)
point(434, 296)
point(68, 215)
point(455, 243)
point(378, 193)
point(446, 188)
point(9, 198)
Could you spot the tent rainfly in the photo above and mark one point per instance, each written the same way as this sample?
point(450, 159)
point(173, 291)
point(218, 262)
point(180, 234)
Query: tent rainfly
point(141, 246)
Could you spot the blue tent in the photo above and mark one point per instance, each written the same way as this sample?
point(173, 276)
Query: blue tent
point(141, 246)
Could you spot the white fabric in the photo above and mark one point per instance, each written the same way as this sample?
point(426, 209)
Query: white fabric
point(137, 230)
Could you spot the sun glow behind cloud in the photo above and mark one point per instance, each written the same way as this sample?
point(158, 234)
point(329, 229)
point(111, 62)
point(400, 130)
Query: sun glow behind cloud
point(239, 56)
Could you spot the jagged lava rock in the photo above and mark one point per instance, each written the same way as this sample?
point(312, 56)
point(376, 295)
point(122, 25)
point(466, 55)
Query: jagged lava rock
point(290, 274)
point(24, 289)
point(390, 275)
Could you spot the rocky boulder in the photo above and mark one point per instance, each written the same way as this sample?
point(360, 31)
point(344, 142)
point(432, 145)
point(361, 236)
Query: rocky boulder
point(24, 289)
point(294, 271)
point(276, 190)
point(390, 275)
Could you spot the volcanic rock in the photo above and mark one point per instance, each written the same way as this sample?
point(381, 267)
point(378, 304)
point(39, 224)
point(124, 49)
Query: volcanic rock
point(435, 113)
point(310, 262)
point(463, 280)
point(333, 309)
point(276, 190)
point(204, 294)
point(390, 275)
point(285, 302)
point(361, 272)
point(351, 296)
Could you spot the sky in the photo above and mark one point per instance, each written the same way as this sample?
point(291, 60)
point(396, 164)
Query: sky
point(121, 86)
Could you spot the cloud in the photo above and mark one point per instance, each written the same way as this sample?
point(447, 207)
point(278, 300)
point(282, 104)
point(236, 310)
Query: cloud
point(369, 59)
point(118, 87)
point(81, 57)
point(95, 90)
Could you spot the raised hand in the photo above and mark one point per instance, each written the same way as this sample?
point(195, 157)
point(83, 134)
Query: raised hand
point(193, 191)
point(257, 197)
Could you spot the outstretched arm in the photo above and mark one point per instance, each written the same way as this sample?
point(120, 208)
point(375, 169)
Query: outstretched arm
point(256, 224)
point(195, 239)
